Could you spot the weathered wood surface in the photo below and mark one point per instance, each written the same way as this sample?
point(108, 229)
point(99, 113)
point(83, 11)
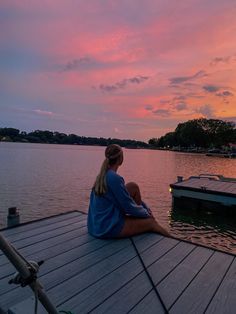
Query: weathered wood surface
point(210, 185)
point(146, 274)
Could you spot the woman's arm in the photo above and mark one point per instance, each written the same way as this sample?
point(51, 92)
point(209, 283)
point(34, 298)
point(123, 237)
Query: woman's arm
point(117, 185)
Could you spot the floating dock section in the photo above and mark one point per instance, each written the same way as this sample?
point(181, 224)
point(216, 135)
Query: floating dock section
point(206, 190)
point(144, 274)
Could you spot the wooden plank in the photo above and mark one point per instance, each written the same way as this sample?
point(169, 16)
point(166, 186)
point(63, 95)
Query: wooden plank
point(153, 253)
point(98, 292)
point(216, 186)
point(93, 273)
point(200, 291)
point(163, 266)
point(4, 261)
point(127, 297)
point(89, 255)
point(224, 301)
point(68, 273)
point(46, 235)
point(26, 307)
point(106, 275)
point(140, 237)
point(36, 231)
point(228, 190)
point(144, 242)
point(40, 222)
point(78, 248)
point(175, 283)
point(49, 234)
point(232, 189)
point(149, 305)
point(90, 268)
point(72, 236)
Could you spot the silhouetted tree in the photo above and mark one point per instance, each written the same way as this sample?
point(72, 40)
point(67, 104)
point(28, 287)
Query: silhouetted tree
point(198, 133)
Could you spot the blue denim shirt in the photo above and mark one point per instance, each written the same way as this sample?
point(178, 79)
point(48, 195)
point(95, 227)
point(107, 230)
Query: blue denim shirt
point(106, 214)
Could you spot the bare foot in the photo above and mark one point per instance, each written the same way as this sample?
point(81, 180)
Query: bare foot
point(159, 229)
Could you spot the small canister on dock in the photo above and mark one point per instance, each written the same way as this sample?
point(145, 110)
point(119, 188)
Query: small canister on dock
point(13, 217)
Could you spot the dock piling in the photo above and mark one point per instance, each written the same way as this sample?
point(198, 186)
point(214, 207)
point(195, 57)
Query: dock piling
point(179, 178)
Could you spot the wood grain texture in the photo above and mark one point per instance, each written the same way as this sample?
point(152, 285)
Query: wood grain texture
point(84, 274)
point(197, 295)
point(224, 301)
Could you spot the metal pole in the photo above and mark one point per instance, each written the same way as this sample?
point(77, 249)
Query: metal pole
point(23, 270)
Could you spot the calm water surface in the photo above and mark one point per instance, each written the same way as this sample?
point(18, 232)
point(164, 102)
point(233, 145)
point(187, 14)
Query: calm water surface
point(43, 180)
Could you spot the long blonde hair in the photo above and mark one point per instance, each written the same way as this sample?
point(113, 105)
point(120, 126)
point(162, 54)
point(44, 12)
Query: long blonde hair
point(112, 154)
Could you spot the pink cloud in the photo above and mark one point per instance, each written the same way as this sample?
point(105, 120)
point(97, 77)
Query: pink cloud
point(84, 49)
point(43, 112)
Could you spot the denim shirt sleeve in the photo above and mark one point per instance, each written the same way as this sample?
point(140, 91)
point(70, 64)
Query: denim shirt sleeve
point(125, 201)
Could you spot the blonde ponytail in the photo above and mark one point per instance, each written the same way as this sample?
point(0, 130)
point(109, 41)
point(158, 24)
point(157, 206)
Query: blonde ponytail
point(100, 185)
point(112, 153)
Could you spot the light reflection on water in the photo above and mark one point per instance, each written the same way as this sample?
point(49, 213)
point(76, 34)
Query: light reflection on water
point(43, 180)
point(217, 231)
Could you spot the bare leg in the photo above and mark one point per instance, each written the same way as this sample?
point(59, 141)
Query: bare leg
point(134, 192)
point(134, 226)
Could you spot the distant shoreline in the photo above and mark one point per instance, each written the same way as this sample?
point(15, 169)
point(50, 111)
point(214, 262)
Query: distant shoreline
point(75, 144)
point(49, 137)
point(200, 136)
point(206, 152)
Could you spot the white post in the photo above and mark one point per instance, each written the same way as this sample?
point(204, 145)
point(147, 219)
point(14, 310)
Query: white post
point(23, 270)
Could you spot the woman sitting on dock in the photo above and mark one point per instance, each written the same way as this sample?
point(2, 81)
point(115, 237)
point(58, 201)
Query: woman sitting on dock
point(116, 210)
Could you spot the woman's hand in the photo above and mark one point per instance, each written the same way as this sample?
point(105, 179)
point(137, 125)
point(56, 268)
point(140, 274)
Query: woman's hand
point(150, 212)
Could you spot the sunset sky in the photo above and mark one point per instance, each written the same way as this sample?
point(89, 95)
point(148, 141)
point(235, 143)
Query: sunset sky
point(125, 68)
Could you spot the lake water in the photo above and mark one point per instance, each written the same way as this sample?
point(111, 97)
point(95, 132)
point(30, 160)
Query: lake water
point(43, 180)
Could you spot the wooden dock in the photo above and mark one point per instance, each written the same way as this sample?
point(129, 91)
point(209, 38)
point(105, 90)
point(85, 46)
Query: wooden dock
point(144, 274)
point(206, 189)
point(209, 185)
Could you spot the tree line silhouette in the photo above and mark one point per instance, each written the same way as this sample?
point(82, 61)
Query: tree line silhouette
point(38, 136)
point(204, 133)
